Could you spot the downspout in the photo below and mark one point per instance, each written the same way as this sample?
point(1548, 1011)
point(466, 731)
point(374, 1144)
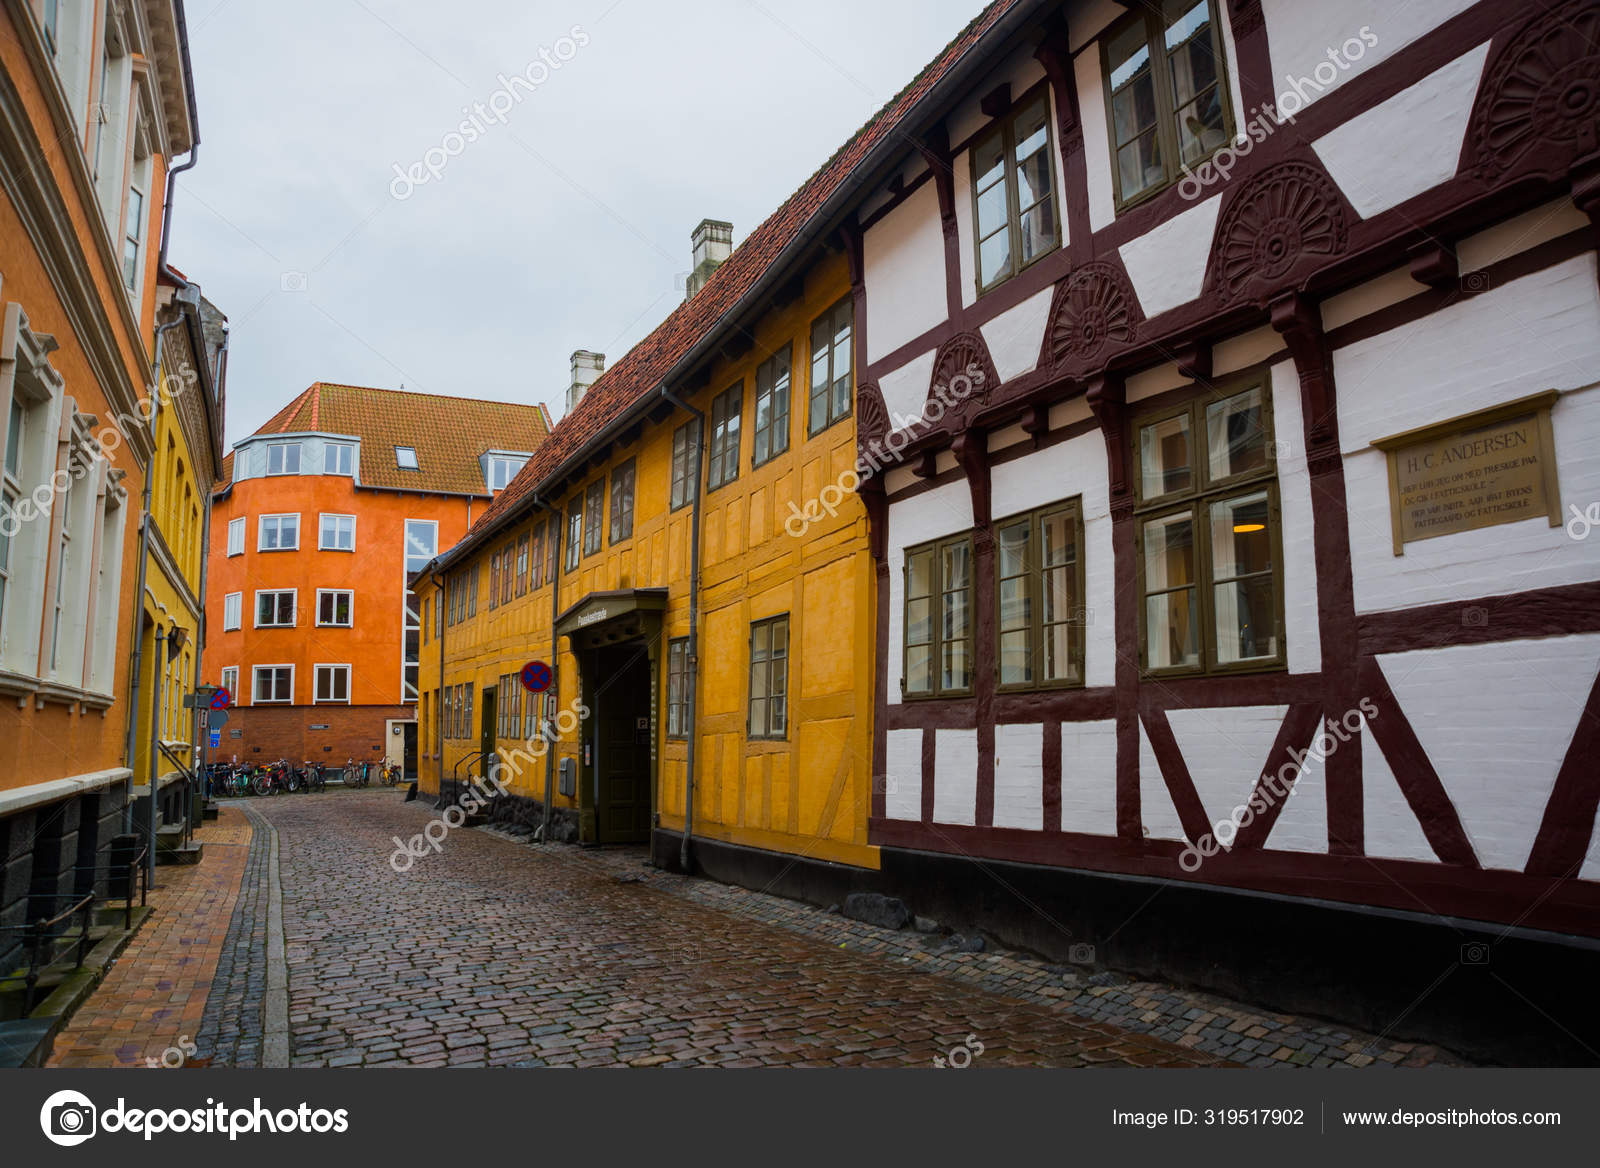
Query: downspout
point(694, 628)
point(553, 552)
point(155, 761)
point(202, 717)
point(443, 626)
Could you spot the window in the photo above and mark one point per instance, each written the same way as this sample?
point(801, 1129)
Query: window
point(278, 533)
point(283, 458)
point(133, 239)
point(232, 611)
point(536, 559)
point(422, 543)
point(938, 620)
point(725, 410)
point(685, 463)
point(9, 523)
point(1167, 117)
point(472, 591)
point(622, 502)
point(337, 533)
point(338, 458)
point(333, 607)
point(275, 608)
point(466, 711)
point(1013, 195)
point(447, 708)
point(574, 532)
point(236, 537)
point(1210, 569)
point(678, 688)
point(405, 457)
point(594, 515)
point(769, 678)
point(332, 684)
point(272, 684)
point(522, 565)
point(499, 470)
point(830, 366)
point(508, 557)
point(772, 407)
point(230, 680)
point(494, 580)
point(1039, 577)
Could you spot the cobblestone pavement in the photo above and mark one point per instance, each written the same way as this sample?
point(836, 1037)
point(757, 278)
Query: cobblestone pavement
point(495, 952)
point(150, 1003)
point(491, 953)
point(230, 1030)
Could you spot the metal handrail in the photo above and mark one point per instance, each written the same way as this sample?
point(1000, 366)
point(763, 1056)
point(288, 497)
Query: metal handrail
point(38, 934)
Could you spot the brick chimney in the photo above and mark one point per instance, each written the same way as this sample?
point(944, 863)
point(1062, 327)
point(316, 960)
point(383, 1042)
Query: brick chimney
point(713, 243)
point(586, 370)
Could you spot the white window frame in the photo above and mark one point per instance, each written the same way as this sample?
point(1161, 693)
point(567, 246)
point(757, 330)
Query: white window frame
point(261, 532)
point(299, 458)
point(236, 529)
point(331, 451)
point(255, 674)
point(401, 464)
point(405, 538)
point(316, 683)
point(294, 615)
point(322, 532)
point(230, 681)
point(350, 592)
point(232, 612)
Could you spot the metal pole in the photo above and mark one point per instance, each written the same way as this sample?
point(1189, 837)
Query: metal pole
point(157, 668)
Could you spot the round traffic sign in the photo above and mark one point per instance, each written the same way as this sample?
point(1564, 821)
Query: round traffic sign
point(221, 700)
point(536, 677)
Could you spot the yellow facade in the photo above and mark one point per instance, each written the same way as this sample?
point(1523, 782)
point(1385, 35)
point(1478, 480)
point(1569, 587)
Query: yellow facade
point(808, 792)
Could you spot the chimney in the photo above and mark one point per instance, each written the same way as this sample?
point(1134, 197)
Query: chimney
point(586, 370)
point(713, 243)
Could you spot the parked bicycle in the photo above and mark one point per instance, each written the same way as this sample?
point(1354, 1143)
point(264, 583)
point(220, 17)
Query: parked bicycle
point(391, 774)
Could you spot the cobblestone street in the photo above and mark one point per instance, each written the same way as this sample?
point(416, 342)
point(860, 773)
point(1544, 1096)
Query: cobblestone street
point(495, 952)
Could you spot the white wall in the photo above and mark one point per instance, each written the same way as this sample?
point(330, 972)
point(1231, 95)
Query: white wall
point(1301, 630)
point(903, 256)
point(1019, 776)
point(903, 775)
point(1089, 777)
point(1537, 333)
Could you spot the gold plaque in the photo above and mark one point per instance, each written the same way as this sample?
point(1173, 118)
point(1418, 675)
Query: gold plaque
point(1494, 466)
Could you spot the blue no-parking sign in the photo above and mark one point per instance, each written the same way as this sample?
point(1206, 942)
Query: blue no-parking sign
point(536, 677)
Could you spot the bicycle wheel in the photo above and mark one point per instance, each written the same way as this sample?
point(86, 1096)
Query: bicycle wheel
point(294, 782)
point(262, 784)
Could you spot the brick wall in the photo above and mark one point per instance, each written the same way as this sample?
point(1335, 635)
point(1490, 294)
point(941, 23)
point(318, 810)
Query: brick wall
point(269, 733)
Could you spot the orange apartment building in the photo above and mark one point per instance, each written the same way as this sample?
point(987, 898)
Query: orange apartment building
point(321, 518)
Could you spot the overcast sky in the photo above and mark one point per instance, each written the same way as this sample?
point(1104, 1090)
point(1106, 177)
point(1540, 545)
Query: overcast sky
point(565, 226)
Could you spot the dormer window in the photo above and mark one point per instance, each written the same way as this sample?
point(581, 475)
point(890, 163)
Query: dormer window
point(500, 469)
point(283, 458)
point(338, 458)
point(405, 457)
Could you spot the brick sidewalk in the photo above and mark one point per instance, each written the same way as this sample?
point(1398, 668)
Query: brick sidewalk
point(153, 997)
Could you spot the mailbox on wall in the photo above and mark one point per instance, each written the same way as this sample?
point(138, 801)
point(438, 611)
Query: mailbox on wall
point(568, 785)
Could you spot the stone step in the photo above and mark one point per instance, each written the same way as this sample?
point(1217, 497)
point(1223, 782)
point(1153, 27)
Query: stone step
point(188, 853)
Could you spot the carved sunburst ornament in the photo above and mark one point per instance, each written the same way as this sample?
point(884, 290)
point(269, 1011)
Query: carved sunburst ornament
point(872, 417)
point(1543, 88)
point(1091, 307)
point(1285, 215)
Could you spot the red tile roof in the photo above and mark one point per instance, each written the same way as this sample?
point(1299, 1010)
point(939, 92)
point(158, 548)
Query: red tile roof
point(641, 370)
point(449, 434)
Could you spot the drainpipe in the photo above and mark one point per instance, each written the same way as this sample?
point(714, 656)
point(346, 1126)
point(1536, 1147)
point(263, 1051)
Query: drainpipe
point(553, 551)
point(443, 626)
point(138, 597)
point(155, 759)
point(202, 718)
point(694, 628)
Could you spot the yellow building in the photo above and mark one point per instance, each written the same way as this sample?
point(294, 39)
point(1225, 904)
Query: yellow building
point(189, 354)
point(758, 682)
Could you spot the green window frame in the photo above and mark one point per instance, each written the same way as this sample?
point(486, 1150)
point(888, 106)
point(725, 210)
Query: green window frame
point(832, 366)
point(1040, 614)
point(1014, 215)
point(678, 688)
point(1162, 120)
point(770, 436)
point(1209, 544)
point(594, 516)
point(726, 408)
point(685, 471)
point(622, 479)
point(574, 532)
point(939, 630)
point(769, 679)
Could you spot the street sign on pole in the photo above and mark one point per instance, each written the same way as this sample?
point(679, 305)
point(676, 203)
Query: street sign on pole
point(216, 739)
point(536, 677)
point(221, 699)
point(217, 719)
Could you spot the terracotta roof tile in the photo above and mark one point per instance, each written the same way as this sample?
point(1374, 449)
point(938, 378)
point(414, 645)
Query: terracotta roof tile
point(640, 371)
point(449, 434)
